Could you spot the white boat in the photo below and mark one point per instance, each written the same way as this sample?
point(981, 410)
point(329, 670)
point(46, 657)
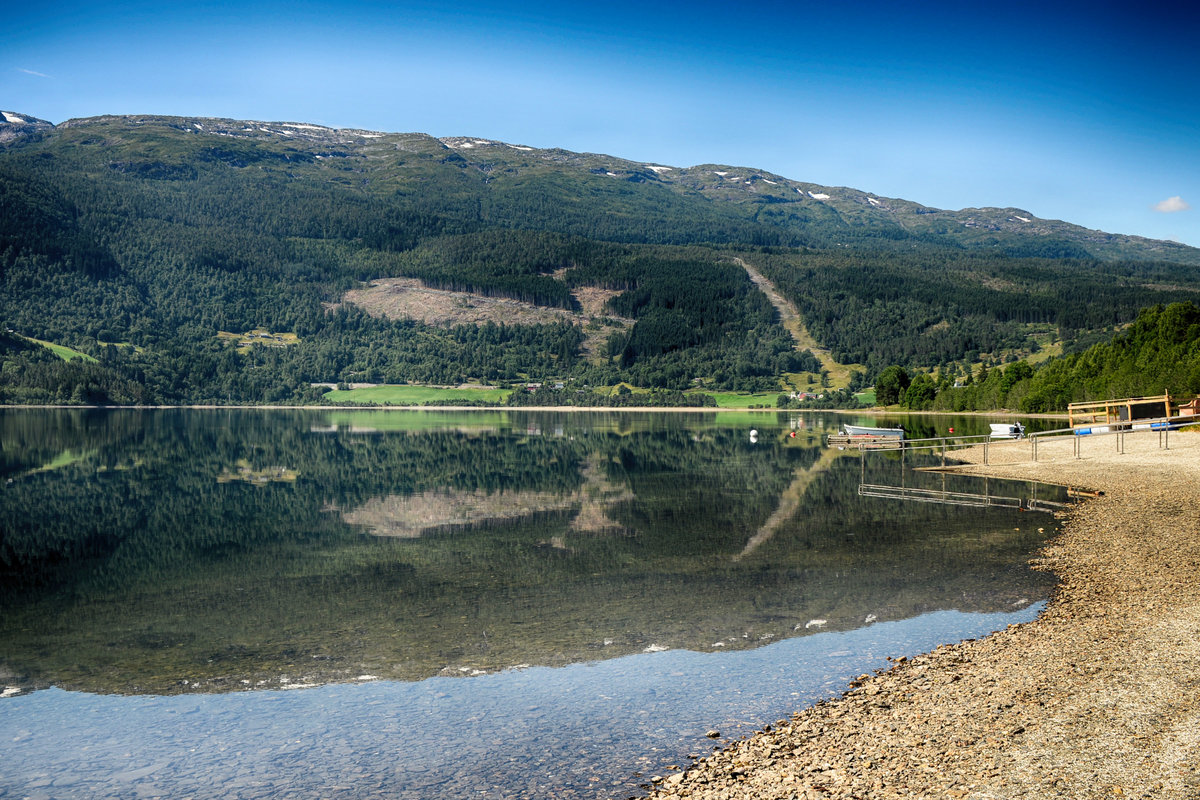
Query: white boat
point(1007, 430)
point(866, 430)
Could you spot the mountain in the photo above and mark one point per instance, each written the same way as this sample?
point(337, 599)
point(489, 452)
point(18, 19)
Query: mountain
point(809, 213)
point(240, 261)
point(18, 126)
point(835, 215)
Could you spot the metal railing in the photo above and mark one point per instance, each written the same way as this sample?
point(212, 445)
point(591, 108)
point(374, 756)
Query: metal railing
point(947, 444)
point(1161, 426)
point(949, 498)
point(936, 444)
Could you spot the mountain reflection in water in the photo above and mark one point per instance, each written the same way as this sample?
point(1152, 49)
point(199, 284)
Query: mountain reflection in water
point(410, 516)
point(687, 574)
point(162, 551)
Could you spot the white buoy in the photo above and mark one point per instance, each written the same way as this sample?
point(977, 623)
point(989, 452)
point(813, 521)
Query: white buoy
point(753, 435)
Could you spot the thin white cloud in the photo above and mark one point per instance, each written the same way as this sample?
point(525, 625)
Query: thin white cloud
point(33, 72)
point(1171, 205)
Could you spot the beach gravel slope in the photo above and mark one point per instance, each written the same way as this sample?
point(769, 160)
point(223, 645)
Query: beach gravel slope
point(1097, 698)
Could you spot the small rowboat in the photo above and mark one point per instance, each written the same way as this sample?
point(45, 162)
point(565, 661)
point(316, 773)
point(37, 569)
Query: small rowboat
point(866, 430)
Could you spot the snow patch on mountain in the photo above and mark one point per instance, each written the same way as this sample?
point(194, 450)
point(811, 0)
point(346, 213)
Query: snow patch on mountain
point(14, 126)
point(470, 143)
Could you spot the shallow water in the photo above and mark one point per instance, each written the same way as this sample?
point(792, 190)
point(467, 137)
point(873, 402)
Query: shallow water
point(470, 605)
point(583, 730)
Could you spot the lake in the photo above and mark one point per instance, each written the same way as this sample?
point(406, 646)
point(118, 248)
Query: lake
point(253, 603)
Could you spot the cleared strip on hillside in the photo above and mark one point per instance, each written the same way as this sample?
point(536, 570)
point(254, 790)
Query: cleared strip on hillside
point(789, 316)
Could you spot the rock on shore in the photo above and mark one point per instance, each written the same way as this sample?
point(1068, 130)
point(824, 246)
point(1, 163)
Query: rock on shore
point(1097, 698)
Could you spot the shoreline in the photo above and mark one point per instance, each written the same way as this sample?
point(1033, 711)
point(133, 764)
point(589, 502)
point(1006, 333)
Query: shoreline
point(1097, 697)
point(873, 411)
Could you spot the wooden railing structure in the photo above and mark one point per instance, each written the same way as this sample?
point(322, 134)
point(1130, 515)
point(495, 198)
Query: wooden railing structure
point(1107, 412)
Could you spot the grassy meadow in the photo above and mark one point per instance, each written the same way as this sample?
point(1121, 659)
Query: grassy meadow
point(405, 395)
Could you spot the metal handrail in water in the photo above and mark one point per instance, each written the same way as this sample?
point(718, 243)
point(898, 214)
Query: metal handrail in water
point(943, 444)
point(944, 497)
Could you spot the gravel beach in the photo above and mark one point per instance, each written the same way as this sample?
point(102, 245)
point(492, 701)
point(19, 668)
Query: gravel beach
point(1097, 698)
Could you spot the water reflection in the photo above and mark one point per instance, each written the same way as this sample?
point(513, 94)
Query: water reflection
point(176, 551)
point(587, 731)
point(410, 516)
point(946, 497)
point(155, 554)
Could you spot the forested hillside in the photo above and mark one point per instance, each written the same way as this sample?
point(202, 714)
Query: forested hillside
point(1158, 354)
point(200, 260)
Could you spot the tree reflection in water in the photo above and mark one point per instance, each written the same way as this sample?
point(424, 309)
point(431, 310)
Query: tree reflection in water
point(248, 549)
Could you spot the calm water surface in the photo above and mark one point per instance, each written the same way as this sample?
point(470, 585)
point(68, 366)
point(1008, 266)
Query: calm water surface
point(491, 604)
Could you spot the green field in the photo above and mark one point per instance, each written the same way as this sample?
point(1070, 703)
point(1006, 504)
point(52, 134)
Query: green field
point(739, 400)
point(65, 353)
point(417, 395)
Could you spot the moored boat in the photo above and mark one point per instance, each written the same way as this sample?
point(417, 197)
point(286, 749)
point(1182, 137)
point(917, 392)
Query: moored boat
point(867, 430)
point(1007, 430)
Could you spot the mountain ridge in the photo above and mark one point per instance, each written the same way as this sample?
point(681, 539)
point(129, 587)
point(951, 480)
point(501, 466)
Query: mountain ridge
point(753, 183)
point(155, 244)
point(971, 226)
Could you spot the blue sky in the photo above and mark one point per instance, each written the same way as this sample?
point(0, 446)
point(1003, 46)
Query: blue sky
point(1083, 112)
